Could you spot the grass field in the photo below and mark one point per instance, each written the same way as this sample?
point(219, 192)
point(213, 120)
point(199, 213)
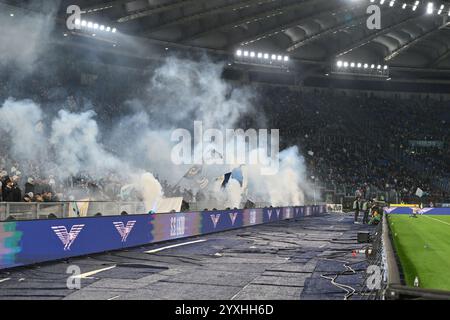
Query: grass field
point(423, 246)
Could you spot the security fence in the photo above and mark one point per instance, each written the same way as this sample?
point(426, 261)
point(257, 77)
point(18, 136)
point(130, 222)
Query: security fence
point(69, 209)
point(73, 209)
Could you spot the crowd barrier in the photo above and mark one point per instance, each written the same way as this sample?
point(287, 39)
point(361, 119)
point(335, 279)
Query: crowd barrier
point(29, 242)
point(411, 210)
point(335, 207)
point(67, 209)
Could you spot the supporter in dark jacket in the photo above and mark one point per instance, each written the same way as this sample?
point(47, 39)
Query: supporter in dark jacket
point(3, 186)
point(29, 186)
point(12, 192)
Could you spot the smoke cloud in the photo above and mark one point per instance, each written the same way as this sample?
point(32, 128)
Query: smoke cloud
point(25, 34)
point(21, 121)
point(138, 148)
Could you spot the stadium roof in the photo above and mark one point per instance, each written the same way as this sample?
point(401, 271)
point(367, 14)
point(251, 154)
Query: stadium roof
point(313, 31)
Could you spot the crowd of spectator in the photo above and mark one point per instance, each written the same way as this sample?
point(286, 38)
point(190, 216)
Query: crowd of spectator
point(28, 183)
point(351, 144)
point(360, 142)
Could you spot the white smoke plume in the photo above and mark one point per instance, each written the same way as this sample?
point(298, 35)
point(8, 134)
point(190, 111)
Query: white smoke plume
point(151, 190)
point(182, 91)
point(75, 139)
point(288, 186)
point(25, 34)
point(22, 122)
point(179, 92)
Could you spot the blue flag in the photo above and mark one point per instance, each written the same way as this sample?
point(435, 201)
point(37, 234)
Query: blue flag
point(237, 175)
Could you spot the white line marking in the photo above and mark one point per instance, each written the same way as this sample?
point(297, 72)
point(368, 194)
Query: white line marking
point(175, 245)
point(91, 273)
point(113, 298)
point(3, 280)
point(232, 298)
point(436, 220)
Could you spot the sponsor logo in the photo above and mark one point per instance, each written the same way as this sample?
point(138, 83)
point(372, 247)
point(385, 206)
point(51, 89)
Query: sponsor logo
point(68, 238)
point(252, 217)
point(308, 211)
point(123, 230)
point(278, 211)
point(177, 226)
point(288, 213)
point(269, 213)
point(215, 219)
point(422, 211)
point(233, 216)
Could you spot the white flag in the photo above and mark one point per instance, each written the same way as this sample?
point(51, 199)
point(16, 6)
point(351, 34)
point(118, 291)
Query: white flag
point(419, 193)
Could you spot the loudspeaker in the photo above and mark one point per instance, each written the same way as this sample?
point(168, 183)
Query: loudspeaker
point(363, 237)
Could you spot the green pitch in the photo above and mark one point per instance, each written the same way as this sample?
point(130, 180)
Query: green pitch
point(423, 246)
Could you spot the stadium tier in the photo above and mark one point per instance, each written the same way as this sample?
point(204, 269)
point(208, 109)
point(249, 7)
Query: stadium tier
point(224, 149)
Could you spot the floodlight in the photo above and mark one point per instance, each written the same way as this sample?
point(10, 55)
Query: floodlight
point(430, 8)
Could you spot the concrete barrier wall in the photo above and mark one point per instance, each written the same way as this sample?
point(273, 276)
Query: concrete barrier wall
point(29, 242)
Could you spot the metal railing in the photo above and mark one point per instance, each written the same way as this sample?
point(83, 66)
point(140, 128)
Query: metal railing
point(73, 209)
point(69, 209)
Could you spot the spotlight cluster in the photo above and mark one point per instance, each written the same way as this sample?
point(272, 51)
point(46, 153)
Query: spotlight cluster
point(261, 58)
point(94, 26)
point(429, 7)
point(360, 68)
